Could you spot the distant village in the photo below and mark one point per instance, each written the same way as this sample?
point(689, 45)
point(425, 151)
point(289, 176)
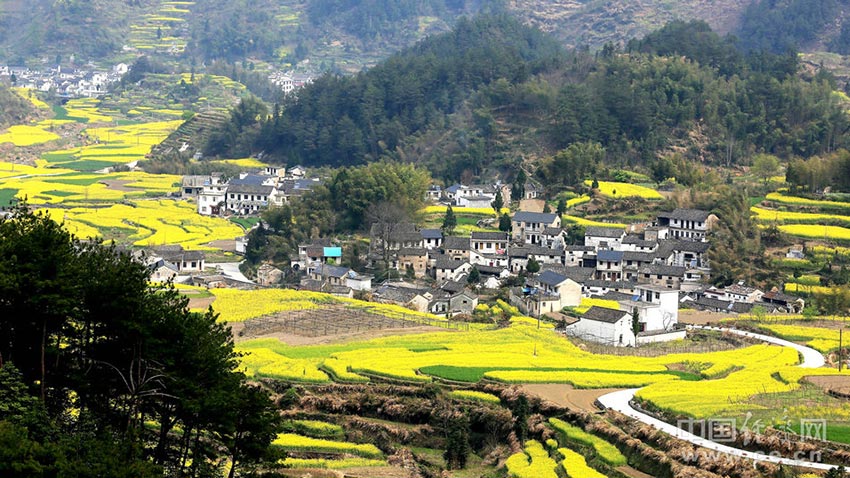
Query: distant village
point(87, 82)
point(649, 270)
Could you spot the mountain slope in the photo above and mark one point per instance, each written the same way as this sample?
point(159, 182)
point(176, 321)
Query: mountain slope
point(493, 93)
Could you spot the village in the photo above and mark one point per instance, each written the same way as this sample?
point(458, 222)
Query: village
point(635, 278)
point(65, 82)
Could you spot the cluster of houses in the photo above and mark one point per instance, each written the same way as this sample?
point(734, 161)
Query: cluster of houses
point(479, 195)
point(648, 270)
point(644, 272)
point(288, 81)
point(65, 82)
point(249, 193)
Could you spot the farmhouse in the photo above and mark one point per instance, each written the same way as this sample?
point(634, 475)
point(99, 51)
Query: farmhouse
point(546, 293)
point(528, 227)
point(605, 326)
point(690, 224)
point(600, 237)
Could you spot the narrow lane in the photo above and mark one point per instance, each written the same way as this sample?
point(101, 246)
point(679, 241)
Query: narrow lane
point(620, 401)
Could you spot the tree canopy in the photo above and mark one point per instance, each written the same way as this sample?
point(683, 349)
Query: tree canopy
point(101, 354)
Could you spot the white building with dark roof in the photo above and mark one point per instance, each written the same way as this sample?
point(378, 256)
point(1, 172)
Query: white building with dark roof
point(529, 227)
point(689, 224)
point(600, 237)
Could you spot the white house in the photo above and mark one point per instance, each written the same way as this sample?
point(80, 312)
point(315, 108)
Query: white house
point(529, 227)
point(605, 326)
point(549, 292)
point(600, 237)
point(211, 198)
point(490, 242)
point(657, 307)
point(690, 224)
point(447, 269)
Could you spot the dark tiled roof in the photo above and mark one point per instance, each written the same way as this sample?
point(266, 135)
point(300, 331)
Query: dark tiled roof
point(779, 298)
point(453, 286)
point(602, 231)
point(332, 271)
point(647, 257)
point(552, 231)
point(576, 274)
point(248, 180)
point(540, 217)
point(607, 284)
point(431, 233)
point(490, 236)
point(603, 314)
point(617, 296)
point(550, 278)
point(249, 189)
point(456, 243)
point(664, 270)
point(686, 215)
point(488, 270)
point(709, 303)
point(610, 256)
point(443, 263)
point(636, 240)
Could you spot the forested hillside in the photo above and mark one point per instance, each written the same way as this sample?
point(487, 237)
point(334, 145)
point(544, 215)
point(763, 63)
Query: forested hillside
point(347, 35)
point(796, 25)
point(13, 108)
point(493, 91)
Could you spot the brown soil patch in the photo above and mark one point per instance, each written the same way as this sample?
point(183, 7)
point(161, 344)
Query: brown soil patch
point(840, 384)
point(698, 317)
point(224, 245)
point(200, 302)
point(297, 340)
point(565, 395)
point(118, 184)
point(629, 471)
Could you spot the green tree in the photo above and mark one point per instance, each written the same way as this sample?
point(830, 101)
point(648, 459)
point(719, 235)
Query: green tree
point(505, 223)
point(457, 443)
point(449, 221)
point(765, 166)
point(518, 187)
point(636, 326)
point(474, 276)
point(533, 267)
point(562, 207)
point(662, 169)
point(498, 202)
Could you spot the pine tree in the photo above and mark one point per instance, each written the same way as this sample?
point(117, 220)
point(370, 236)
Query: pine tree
point(505, 223)
point(457, 443)
point(498, 203)
point(562, 207)
point(449, 221)
point(533, 266)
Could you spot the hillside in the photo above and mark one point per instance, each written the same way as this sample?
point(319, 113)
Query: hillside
point(336, 35)
point(595, 23)
point(13, 108)
point(492, 93)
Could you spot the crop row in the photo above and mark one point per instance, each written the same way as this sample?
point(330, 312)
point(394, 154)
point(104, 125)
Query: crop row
point(328, 464)
point(534, 462)
point(573, 434)
point(798, 201)
point(300, 443)
point(576, 466)
point(474, 396)
point(623, 190)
